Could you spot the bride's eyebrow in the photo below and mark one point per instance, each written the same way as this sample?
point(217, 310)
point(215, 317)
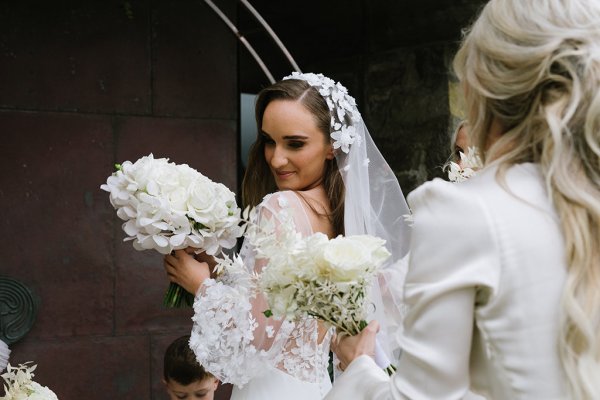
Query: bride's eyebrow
point(295, 137)
point(287, 137)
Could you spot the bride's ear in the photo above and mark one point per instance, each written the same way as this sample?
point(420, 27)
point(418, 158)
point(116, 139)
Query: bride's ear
point(330, 153)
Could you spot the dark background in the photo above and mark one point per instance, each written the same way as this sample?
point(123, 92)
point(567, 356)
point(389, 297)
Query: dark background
point(86, 84)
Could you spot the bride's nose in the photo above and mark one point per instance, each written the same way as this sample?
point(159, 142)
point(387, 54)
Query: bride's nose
point(279, 158)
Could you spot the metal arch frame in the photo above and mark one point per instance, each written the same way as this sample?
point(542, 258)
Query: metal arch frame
point(245, 42)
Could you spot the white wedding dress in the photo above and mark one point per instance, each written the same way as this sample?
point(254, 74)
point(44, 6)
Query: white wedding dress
point(262, 357)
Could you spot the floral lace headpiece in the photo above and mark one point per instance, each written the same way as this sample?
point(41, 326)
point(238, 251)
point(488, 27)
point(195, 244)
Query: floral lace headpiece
point(344, 113)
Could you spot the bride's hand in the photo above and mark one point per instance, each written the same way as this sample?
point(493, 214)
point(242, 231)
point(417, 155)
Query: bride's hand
point(210, 260)
point(183, 269)
point(347, 348)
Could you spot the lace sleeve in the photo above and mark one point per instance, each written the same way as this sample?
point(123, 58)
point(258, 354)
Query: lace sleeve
point(231, 336)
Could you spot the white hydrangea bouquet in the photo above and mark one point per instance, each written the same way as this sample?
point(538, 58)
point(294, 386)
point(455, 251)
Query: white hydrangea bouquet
point(19, 384)
point(470, 164)
point(168, 206)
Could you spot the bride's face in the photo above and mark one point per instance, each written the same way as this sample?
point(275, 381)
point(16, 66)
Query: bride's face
point(295, 149)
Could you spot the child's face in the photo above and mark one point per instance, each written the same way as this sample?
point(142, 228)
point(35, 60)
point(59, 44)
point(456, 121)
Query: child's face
point(204, 389)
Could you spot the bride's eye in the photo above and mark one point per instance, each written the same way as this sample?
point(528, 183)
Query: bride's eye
point(295, 144)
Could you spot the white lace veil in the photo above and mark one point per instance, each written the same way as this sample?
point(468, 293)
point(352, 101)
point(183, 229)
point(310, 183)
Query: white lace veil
point(373, 205)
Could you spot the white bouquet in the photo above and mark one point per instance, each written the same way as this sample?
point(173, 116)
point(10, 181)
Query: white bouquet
point(328, 279)
point(168, 206)
point(323, 278)
point(19, 385)
point(470, 163)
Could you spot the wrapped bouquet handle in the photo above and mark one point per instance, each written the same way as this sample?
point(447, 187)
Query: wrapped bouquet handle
point(382, 360)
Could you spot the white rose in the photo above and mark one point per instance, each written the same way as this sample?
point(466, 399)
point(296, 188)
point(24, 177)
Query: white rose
point(375, 245)
point(347, 260)
point(166, 178)
point(41, 392)
point(187, 174)
point(142, 169)
point(201, 199)
point(178, 198)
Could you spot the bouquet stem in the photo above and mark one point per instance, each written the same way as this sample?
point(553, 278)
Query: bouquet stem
point(177, 297)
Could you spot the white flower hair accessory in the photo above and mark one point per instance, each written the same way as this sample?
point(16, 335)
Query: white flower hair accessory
point(342, 106)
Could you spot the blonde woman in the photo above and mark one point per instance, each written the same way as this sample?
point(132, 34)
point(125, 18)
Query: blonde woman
point(510, 307)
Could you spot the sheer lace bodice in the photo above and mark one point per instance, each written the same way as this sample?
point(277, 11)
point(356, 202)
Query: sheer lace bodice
point(231, 336)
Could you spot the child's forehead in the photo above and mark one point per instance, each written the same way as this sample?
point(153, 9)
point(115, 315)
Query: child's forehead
point(205, 383)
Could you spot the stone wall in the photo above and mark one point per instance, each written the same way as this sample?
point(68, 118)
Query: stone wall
point(398, 66)
point(85, 85)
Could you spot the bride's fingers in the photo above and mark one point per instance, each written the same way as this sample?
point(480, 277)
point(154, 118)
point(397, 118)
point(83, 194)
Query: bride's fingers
point(190, 250)
point(171, 260)
point(172, 278)
point(171, 271)
point(181, 253)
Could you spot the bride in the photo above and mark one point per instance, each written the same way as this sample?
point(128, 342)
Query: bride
point(315, 157)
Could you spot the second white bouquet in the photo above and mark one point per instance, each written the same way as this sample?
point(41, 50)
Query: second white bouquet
point(168, 206)
point(325, 278)
point(315, 276)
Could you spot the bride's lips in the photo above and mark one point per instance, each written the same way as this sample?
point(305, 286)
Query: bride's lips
point(283, 174)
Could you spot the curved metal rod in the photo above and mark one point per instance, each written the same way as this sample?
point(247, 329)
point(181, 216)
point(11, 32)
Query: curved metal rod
point(242, 39)
point(272, 33)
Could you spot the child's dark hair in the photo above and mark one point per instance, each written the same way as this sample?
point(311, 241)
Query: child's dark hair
point(180, 363)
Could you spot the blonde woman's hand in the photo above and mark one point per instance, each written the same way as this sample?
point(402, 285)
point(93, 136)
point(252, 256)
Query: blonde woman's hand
point(348, 348)
point(183, 269)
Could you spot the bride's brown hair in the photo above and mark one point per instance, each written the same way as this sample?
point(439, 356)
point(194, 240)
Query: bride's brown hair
point(258, 179)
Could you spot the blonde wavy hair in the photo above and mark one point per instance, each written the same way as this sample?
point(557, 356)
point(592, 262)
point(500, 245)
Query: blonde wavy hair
point(534, 67)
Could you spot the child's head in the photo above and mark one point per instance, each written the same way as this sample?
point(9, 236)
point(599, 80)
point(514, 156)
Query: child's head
point(183, 376)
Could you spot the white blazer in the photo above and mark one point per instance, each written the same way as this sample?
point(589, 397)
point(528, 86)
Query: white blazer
point(486, 274)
